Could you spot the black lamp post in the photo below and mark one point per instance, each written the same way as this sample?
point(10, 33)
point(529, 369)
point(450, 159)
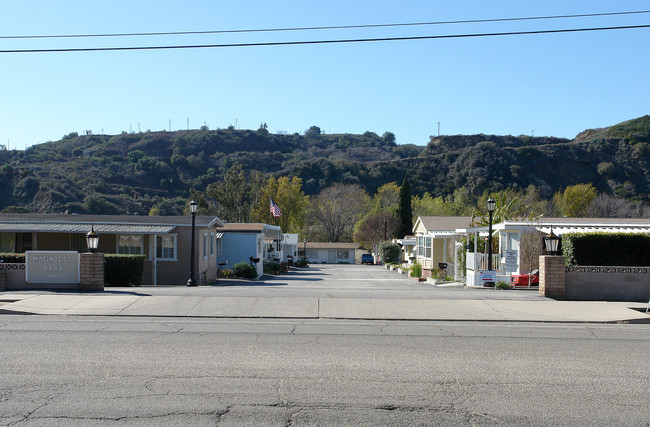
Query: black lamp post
point(92, 239)
point(491, 205)
point(304, 248)
point(193, 208)
point(551, 243)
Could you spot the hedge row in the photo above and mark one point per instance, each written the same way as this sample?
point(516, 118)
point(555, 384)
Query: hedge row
point(123, 270)
point(603, 249)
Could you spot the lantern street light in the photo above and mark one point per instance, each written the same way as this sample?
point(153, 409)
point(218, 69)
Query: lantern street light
point(551, 243)
point(491, 205)
point(304, 248)
point(92, 239)
point(193, 208)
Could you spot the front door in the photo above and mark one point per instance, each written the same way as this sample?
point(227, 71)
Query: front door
point(332, 256)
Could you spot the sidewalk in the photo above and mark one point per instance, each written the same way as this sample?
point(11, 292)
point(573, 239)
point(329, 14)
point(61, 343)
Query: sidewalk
point(322, 308)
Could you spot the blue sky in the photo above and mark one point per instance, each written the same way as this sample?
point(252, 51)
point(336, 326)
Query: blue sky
point(553, 84)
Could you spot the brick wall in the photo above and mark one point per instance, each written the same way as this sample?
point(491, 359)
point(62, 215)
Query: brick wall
point(92, 272)
point(552, 273)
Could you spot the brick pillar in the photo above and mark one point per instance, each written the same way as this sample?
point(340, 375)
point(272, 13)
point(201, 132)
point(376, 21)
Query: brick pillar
point(552, 271)
point(92, 272)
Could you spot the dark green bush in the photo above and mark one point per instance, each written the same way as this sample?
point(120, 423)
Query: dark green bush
point(245, 270)
point(416, 270)
point(502, 285)
point(389, 251)
point(302, 262)
point(123, 270)
point(598, 249)
point(11, 258)
point(271, 267)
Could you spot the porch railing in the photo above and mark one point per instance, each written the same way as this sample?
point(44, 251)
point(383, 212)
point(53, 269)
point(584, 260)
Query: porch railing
point(479, 262)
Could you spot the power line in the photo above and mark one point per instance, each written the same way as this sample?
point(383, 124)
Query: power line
point(334, 27)
point(313, 42)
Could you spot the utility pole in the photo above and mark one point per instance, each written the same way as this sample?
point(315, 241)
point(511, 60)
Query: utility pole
point(438, 128)
point(188, 123)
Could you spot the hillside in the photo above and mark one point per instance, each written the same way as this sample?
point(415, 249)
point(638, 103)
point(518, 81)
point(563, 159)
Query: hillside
point(115, 174)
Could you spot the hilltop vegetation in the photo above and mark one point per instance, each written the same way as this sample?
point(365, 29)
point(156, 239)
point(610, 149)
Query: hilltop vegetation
point(159, 170)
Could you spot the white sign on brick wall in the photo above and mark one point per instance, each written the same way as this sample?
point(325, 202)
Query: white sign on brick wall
point(52, 267)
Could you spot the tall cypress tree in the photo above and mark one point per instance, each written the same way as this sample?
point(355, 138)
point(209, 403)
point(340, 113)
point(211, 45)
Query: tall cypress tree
point(404, 212)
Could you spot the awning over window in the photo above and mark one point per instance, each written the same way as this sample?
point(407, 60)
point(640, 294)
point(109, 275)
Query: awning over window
point(219, 235)
point(84, 228)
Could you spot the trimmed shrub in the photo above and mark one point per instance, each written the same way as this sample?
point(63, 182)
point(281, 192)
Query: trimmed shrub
point(123, 270)
point(245, 270)
point(302, 262)
point(11, 258)
point(271, 267)
point(389, 251)
point(416, 270)
point(606, 249)
point(503, 285)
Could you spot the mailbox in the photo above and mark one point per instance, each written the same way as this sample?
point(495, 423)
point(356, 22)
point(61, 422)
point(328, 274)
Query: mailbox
point(442, 265)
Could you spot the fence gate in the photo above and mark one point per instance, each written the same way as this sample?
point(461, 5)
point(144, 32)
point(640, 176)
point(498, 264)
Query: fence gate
point(459, 262)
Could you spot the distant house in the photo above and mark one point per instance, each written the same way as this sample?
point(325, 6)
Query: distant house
point(242, 241)
point(164, 240)
point(438, 241)
point(329, 253)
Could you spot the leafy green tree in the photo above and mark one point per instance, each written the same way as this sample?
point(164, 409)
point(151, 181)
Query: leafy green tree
point(232, 195)
point(134, 156)
point(386, 199)
point(288, 195)
point(404, 212)
point(389, 138)
point(575, 200)
point(389, 252)
point(312, 132)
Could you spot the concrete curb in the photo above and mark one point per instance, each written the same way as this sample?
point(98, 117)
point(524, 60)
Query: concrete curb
point(326, 308)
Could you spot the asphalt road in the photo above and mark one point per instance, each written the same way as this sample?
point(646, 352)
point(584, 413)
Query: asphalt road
point(79, 371)
point(336, 281)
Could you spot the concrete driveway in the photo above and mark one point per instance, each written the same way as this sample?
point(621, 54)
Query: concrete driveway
point(323, 292)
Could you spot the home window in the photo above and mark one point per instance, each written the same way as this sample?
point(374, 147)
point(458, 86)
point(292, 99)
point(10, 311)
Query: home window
point(312, 254)
point(219, 246)
point(129, 244)
point(420, 247)
point(166, 247)
point(7, 242)
point(211, 245)
point(427, 243)
point(342, 254)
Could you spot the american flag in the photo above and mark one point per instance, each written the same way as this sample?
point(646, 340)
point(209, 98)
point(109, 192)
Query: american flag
point(275, 210)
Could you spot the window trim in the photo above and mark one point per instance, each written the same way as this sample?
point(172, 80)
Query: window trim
point(162, 236)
